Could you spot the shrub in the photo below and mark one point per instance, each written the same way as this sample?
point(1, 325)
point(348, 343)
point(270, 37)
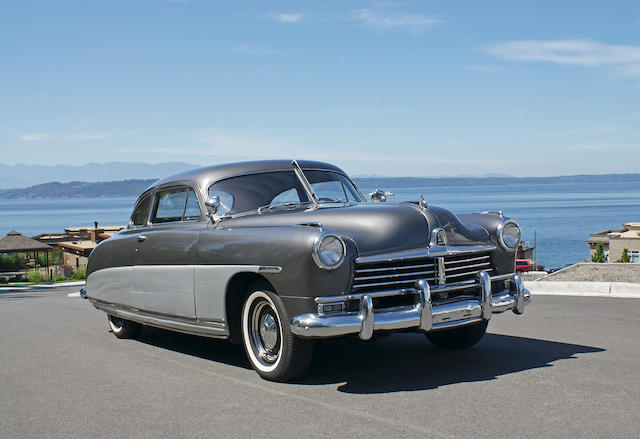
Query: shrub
point(36, 276)
point(598, 256)
point(625, 257)
point(80, 273)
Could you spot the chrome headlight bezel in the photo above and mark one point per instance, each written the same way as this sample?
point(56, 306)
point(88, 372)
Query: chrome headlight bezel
point(506, 225)
point(316, 251)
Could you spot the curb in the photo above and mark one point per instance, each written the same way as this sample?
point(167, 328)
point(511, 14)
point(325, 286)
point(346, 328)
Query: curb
point(584, 289)
point(42, 286)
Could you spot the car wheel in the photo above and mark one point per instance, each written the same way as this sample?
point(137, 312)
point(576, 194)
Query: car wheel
point(273, 350)
point(122, 328)
point(458, 338)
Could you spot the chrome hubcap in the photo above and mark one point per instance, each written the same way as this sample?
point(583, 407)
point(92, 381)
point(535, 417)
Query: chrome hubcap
point(264, 332)
point(269, 331)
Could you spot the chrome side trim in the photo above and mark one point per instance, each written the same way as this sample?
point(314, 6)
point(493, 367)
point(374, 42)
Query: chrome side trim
point(432, 252)
point(212, 328)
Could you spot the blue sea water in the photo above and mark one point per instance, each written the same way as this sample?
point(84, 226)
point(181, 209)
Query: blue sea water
point(560, 215)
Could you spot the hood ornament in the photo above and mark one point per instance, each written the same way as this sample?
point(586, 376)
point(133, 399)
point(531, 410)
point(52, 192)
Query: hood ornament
point(422, 202)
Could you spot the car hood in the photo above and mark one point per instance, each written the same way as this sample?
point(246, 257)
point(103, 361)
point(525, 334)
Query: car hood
point(375, 227)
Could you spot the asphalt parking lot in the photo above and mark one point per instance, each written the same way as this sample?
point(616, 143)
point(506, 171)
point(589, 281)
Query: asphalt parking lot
point(568, 368)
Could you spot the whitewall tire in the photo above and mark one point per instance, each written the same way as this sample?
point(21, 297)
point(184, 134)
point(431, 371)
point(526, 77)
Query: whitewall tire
point(274, 352)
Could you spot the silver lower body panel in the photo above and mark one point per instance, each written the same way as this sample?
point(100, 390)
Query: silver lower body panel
point(424, 315)
point(214, 329)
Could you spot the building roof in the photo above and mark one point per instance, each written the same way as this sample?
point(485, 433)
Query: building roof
point(78, 245)
point(630, 234)
point(15, 242)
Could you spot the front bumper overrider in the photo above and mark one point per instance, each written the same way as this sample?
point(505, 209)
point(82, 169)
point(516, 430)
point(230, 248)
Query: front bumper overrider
point(424, 315)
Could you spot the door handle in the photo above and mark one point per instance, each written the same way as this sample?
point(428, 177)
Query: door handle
point(141, 238)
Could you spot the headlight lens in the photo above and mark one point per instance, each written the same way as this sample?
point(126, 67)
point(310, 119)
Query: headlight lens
point(509, 234)
point(328, 251)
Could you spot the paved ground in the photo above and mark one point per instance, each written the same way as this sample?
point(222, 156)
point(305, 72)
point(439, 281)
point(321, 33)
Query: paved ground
point(570, 367)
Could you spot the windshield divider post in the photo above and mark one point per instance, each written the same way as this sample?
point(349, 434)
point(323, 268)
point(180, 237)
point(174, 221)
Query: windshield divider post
point(303, 179)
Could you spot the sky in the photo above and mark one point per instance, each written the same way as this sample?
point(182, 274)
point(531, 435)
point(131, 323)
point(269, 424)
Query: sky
point(407, 88)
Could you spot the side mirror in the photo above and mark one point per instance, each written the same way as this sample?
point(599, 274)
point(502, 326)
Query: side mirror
point(213, 204)
point(379, 196)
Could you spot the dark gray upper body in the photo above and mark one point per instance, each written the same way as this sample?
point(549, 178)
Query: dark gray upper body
point(284, 237)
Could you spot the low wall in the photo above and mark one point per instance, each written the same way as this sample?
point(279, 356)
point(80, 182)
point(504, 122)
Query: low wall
point(595, 289)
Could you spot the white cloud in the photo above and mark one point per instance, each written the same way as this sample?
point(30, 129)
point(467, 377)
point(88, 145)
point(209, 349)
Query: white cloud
point(243, 146)
point(605, 147)
point(251, 50)
point(39, 137)
point(293, 17)
point(388, 20)
point(624, 59)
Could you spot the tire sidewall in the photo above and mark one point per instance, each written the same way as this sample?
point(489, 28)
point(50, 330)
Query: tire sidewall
point(280, 314)
point(115, 329)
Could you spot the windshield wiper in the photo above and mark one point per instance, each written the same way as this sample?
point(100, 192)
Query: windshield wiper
point(284, 206)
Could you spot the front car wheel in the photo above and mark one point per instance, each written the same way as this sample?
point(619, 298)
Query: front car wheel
point(274, 352)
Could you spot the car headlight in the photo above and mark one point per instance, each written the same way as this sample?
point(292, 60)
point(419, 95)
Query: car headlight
point(328, 251)
point(509, 234)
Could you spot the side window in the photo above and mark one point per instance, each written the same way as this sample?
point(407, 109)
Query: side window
point(170, 205)
point(141, 212)
point(192, 210)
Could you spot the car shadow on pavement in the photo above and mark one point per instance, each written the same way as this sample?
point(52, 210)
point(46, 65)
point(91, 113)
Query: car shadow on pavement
point(203, 347)
point(394, 363)
point(406, 362)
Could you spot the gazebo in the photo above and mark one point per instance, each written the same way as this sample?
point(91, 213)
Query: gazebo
point(15, 242)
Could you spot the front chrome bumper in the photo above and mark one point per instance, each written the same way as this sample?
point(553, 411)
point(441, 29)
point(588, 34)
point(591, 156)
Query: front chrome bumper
point(423, 316)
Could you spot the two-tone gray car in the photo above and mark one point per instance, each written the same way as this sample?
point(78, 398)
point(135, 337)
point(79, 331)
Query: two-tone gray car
point(275, 254)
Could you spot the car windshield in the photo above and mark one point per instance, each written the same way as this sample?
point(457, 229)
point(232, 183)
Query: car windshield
point(280, 189)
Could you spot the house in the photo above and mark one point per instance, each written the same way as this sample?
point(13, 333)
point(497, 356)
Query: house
point(81, 241)
point(615, 241)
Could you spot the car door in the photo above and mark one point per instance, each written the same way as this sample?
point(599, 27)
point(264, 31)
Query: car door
point(167, 250)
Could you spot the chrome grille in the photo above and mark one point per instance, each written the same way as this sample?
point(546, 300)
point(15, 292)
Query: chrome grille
point(400, 274)
point(464, 267)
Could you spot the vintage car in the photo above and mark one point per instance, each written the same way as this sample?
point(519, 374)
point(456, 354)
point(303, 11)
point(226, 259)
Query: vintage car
point(275, 254)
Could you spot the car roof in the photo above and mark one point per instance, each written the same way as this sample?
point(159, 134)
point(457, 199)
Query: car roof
point(209, 174)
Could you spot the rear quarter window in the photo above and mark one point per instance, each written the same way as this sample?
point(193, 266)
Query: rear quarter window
point(141, 212)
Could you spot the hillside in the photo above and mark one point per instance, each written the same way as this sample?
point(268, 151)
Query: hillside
point(133, 188)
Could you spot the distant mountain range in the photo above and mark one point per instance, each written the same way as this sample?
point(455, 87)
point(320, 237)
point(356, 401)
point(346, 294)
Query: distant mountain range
point(133, 188)
point(21, 175)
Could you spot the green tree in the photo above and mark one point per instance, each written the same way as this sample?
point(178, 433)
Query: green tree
point(625, 257)
point(598, 256)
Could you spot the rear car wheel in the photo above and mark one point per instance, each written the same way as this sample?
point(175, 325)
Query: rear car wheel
point(274, 352)
point(458, 338)
point(122, 328)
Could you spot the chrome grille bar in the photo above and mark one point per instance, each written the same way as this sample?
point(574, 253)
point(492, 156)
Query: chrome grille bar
point(377, 275)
